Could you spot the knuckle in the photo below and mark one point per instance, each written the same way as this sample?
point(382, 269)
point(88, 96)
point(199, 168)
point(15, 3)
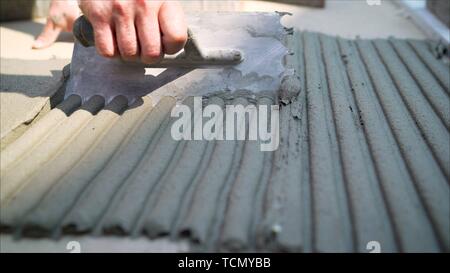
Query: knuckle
point(97, 15)
point(104, 48)
point(179, 38)
point(100, 27)
point(175, 43)
point(142, 4)
point(129, 51)
point(105, 52)
point(128, 45)
point(151, 54)
point(121, 8)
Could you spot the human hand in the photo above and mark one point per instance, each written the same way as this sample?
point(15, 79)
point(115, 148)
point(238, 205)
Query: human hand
point(134, 29)
point(62, 15)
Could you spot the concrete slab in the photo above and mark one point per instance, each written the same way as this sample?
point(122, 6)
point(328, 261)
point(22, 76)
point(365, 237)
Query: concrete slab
point(25, 90)
point(18, 36)
point(28, 77)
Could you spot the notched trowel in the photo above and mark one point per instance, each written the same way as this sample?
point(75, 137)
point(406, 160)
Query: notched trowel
point(224, 52)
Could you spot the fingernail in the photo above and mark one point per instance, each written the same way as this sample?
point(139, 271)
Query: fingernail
point(37, 44)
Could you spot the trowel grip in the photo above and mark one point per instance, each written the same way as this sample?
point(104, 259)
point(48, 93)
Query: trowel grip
point(192, 55)
point(83, 31)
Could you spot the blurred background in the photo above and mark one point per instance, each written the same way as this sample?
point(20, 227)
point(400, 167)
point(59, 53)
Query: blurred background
point(22, 20)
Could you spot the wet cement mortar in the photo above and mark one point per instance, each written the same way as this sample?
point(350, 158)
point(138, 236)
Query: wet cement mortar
point(363, 156)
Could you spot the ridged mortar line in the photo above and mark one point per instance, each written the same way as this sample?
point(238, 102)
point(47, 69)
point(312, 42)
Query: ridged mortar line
point(191, 188)
point(298, 134)
point(265, 237)
point(95, 198)
point(330, 119)
point(297, 62)
point(359, 124)
point(199, 217)
point(331, 221)
point(113, 221)
point(431, 183)
point(305, 179)
point(38, 132)
point(59, 200)
point(353, 85)
point(48, 149)
point(415, 152)
point(296, 203)
point(139, 225)
point(439, 69)
point(110, 221)
point(430, 125)
point(216, 228)
point(194, 219)
point(41, 182)
point(237, 220)
point(394, 176)
point(259, 204)
point(430, 87)
point(259, 199)
point(188, 196)
point(281, 228)
point(366, 204)
point(192, 162)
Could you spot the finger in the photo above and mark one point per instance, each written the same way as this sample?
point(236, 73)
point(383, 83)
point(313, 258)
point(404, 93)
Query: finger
point(173, 27)
point(126, 36)
point(48, 36)
point(70, 20)
point(104, 39)
point(149, 36)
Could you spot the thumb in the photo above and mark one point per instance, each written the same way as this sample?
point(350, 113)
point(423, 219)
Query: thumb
point(48, 36)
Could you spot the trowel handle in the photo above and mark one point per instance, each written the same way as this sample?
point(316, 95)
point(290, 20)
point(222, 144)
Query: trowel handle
point(192, 54)
point(83, 31)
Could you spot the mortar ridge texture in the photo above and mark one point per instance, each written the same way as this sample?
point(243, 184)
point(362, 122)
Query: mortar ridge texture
point(363, 156)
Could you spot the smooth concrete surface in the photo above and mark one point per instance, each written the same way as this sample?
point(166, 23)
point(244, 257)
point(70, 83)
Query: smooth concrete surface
point(25, 89)
point(28, 77)
point(17, 38)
